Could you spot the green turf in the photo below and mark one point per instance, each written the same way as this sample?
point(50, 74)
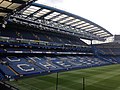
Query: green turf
point(98, 78)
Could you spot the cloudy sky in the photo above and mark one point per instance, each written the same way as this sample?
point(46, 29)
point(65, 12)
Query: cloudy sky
point(105, 13)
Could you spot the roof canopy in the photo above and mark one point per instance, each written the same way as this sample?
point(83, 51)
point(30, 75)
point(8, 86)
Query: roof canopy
point(10, 6)
point(61, 20)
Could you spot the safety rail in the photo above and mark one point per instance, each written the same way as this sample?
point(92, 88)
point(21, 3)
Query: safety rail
point(37, 42)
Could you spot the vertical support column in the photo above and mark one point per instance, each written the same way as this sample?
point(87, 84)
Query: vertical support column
point(57, 82)
point(83, 83)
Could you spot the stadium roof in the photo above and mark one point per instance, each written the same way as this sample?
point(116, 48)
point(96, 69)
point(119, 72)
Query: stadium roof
point(61, 20)
point(10, 6)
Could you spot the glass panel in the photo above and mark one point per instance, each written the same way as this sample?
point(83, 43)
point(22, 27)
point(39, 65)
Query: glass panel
point(34, 8)
point(27, 12)
point(1, 0)
point(83, 25)
point(93, 30)
point(5, 4)
point(55, 13)
point(91, 27)
point(3, 14)
point(14, 6)
point(45, 10)
point(31, 10)
point(86, 27)
point(59, 17)
point(78, 23)
point(67, 19)
point(103, 34)
point(42, 12)
point(98, 29)
point(76, 20)
point(98, 32)
point(52, 15)
point(24, 16)
point(38, 15)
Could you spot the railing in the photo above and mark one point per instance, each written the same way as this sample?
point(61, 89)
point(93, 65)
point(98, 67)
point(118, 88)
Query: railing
point(37, 42)
point(49, 47)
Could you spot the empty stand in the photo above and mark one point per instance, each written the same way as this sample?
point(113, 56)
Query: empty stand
point(109, 48)
point(41, 36)
point(34, 65)
point(32, 43)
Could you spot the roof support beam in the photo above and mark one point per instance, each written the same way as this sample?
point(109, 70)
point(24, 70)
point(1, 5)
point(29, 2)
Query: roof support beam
point(5, 10)
point(89, 28)
point(34, 13)
point(18, 1)
point(83, 26)
point(99, 33)
point(95, 31)
point(55, 16)
point(42, 17)
point(45, 15)
point(106, 36)
point(74, 23)
point(62, 19)
point(79, 25)
point(69, 21)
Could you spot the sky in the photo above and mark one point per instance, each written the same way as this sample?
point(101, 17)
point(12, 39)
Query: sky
point(105, 13)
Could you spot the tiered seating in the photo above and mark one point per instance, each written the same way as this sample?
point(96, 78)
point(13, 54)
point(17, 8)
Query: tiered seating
point(114, 59)
point(109, 51)
point(42, 36)
point(34, 65)
point(7, 71)
point(26, 35)
point(21, 66)
point(9, 33)
point(117, 58)
point(109, 48)
point(1, 77)
point(87, 61)
point(44, 63)
point(62, 61)
point(58, 40)
point(55, 42)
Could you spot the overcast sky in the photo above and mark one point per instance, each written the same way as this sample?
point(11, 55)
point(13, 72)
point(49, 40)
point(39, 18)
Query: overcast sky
point(105, 13)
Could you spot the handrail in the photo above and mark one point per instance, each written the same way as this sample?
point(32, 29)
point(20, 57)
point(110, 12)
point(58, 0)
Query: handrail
point(37, 42)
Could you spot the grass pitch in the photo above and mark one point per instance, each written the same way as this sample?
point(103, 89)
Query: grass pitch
point(98, 78)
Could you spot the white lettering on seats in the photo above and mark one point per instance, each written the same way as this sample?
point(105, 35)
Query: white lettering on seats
point(20, 66)
point(13, 60)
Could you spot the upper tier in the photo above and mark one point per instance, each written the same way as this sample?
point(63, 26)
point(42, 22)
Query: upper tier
point(52, 19)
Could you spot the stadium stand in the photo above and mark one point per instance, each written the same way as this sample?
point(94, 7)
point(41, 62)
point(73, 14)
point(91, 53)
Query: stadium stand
point(109, 51)
point(109, 48)
point(42, 36)
point(37, 40)
point(25, 66)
